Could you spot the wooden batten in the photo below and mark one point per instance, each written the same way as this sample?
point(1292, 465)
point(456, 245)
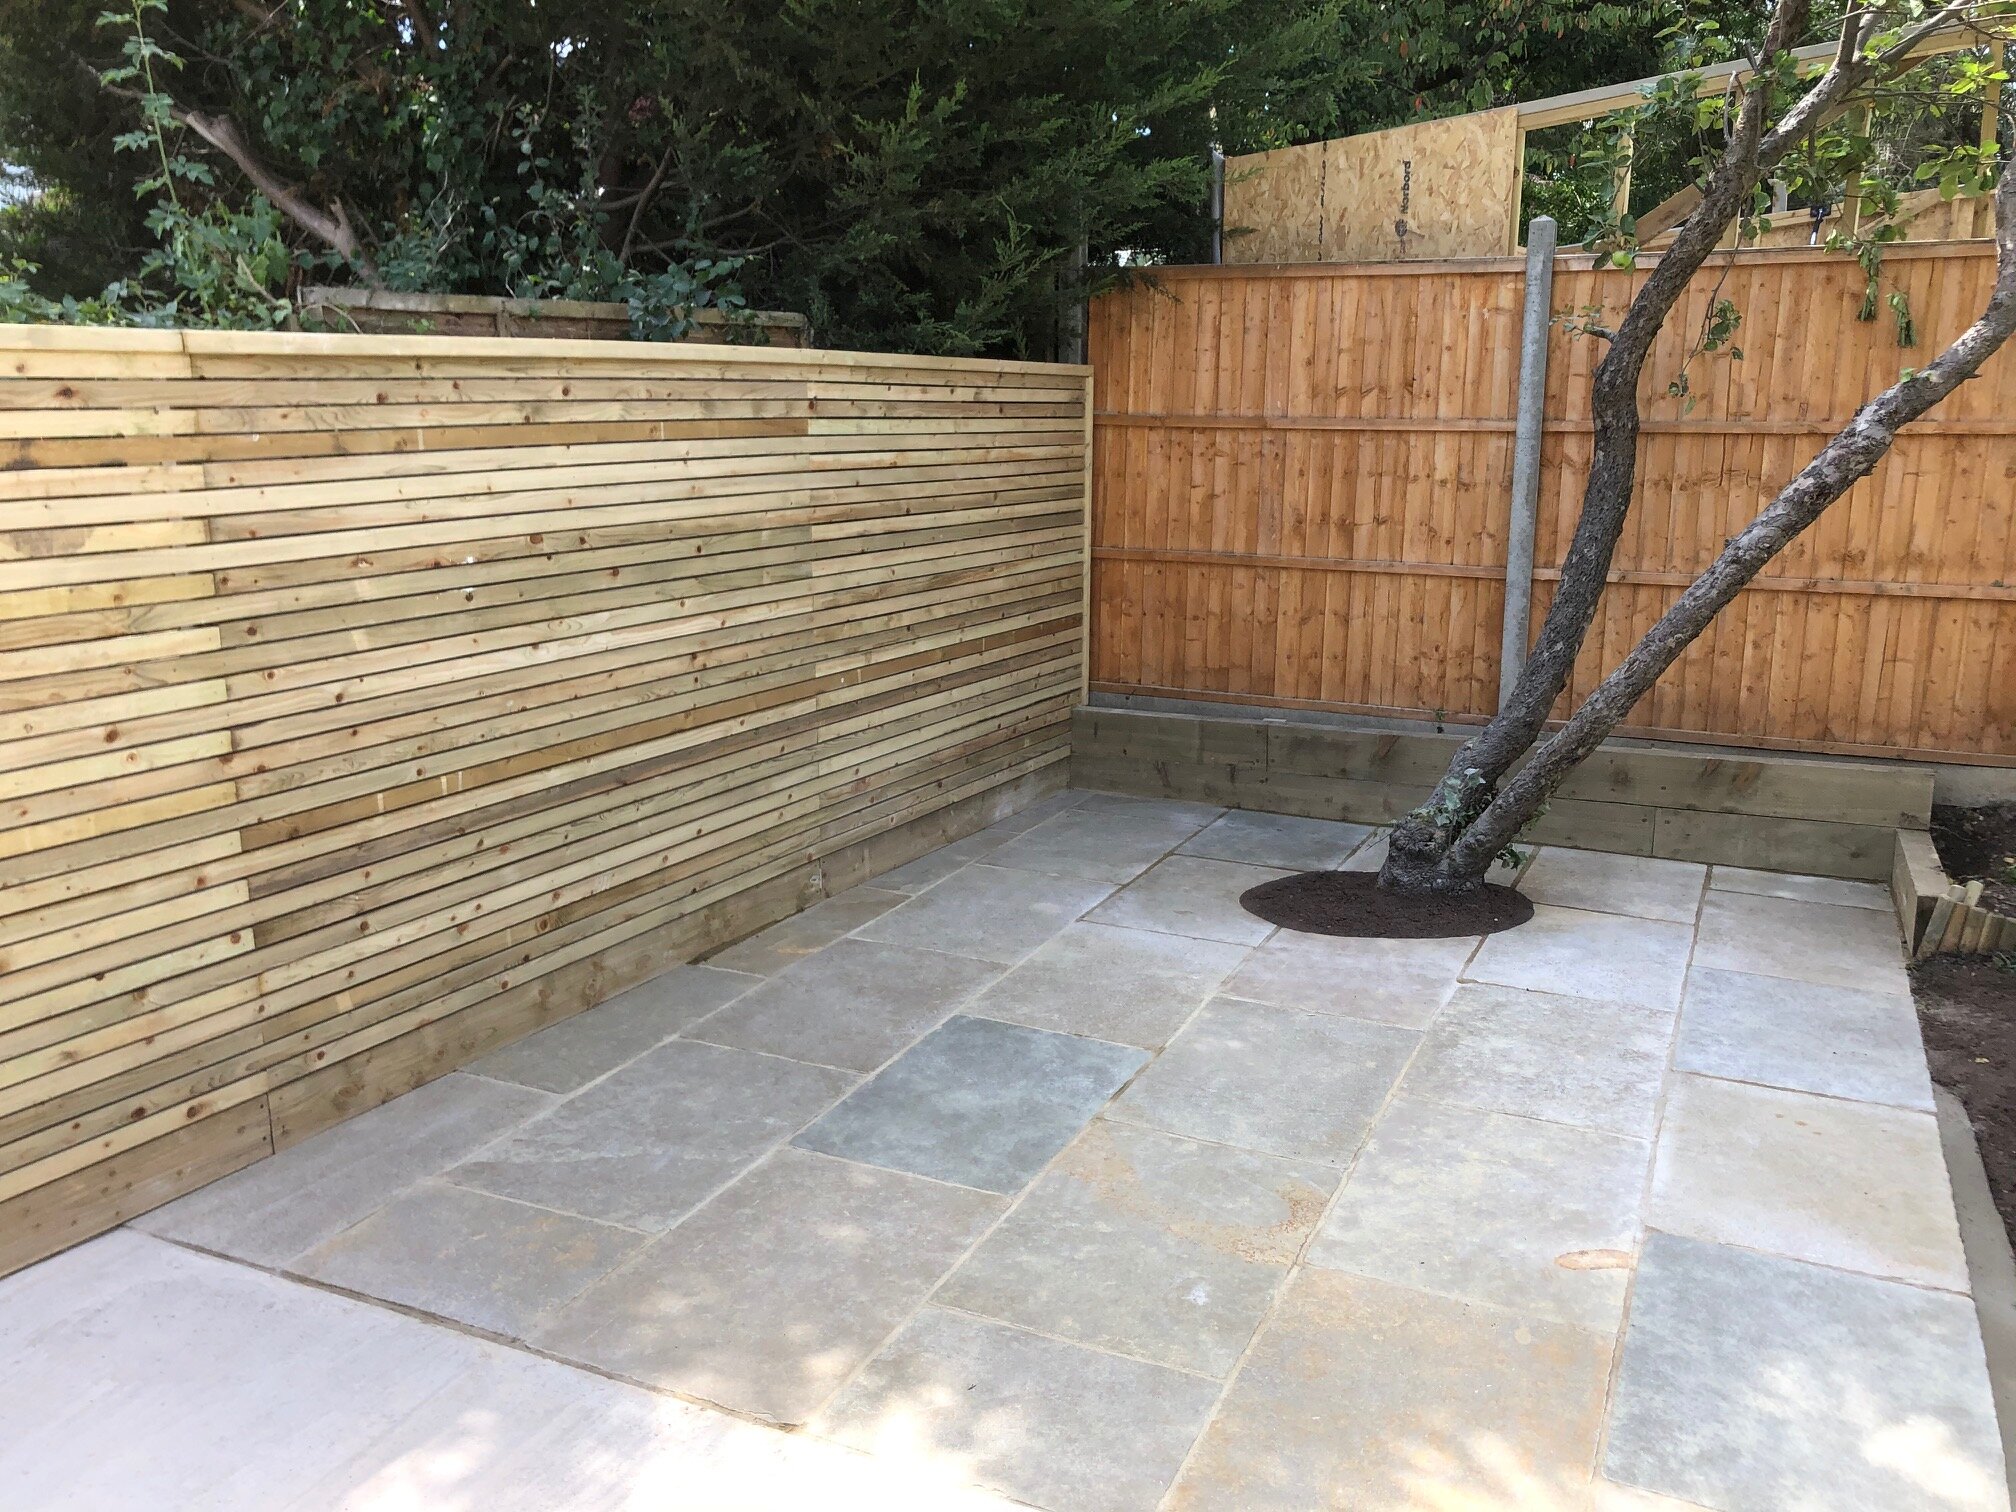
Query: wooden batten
point(367, 702)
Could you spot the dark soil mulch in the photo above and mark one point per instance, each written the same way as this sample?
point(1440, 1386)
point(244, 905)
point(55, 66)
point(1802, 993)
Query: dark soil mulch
point(1354, 905)
point(1967, 1010)
point(1979, 843)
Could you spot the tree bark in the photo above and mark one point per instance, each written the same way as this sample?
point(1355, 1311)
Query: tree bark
point(1433, 849)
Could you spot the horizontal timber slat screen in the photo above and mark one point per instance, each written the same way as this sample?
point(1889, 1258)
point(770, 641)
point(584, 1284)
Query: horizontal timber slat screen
point(1302, 478)
point(366, 702)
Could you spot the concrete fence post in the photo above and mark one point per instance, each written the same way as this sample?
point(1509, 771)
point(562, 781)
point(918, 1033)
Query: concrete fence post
point(1526, 454)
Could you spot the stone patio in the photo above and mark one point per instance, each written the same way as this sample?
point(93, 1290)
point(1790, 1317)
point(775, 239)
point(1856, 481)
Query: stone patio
point(1039, 1173)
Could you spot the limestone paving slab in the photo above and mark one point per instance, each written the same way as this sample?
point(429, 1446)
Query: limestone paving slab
point(1277, 1080)
point(976, 1102)
point(570, 1054)
point(1540, 1218)
point(1646, 887)
point(1856, 1185)
point(1841, 1041)
point(272, 1211)
point(767, 1298)
point(1131, 986)
point(788, 940)
point(1097, 845)
point(1810, 942)
point(1149, 1245)
point(853, 1005)
point(1751, 1383)
point(1378, 1398)
point(1283, 840)
point(1402, 982)
point(1572, 1060)
point(1609, 957)
point(485, 1261)
point(990, 913)
point(1066, 1428)
point(1189, 895)
point(1806, 889)
point(642, 1147)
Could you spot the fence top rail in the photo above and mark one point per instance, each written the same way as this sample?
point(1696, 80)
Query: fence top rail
point(516, 350)
point(1566, 261)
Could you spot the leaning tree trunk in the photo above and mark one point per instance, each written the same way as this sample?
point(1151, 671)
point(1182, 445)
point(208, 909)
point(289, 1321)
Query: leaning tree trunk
point(1446, 845)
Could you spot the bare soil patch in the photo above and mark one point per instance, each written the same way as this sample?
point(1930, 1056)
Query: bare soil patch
point(1979, 844)
point(1354, 905)
point(1967, 1012)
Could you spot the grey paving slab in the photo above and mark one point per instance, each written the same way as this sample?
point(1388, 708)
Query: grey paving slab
point(853, 1005)
point(645, 1145)
point(1097, 844)
point(1856, 1185)
point(572, 1053)
point(1065, 1428)
point(1613, 957)
point(1643, 886)
point(936, 865)
point(136, 1374)
point(272, 1211)
point(1810, 942)
point(1283, 840)
point(1189, 895)
point(976, 1102)
point(1389, 981)
point(1570, 1060)
point(1149, 1245)
point(1536, 1217)
point(481, 1260)
point(991, 913)
point(1131, 986)
point(1178, 808)
point(788, 940)
point(1804, 1036)
point(1751, 1383)
point(1276, 1080)
point(768, 1297)
point(1806, 889)
point(1377, 1398)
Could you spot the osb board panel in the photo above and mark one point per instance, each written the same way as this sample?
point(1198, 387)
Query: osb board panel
point(1445, 188)
point(1301, 485)
point(351, 686)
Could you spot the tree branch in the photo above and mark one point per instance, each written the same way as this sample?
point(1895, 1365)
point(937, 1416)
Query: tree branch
point(332, 227)
point(644, 199)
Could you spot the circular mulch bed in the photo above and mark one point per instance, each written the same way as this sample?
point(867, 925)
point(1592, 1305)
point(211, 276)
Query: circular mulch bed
point(1353, 904)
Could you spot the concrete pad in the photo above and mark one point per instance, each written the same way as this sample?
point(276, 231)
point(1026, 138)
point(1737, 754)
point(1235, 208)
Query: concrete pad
point(853, 1005)
point(481, 1260)
point(134, 1374)
point(1839, 1183)
point(1768, 884)
point(1066, 1428)
point(990, 913)
point(1571, 1060)
point(1282, 840)
point(1188, 895)
point(1535, 1217)
point(1642, 886)
point(1097, 845)
point(976, 1102)
point(572, 1053)
point(646, 1145)
point(1610, 957)
point(770, 950)
point(767, 1298)
point(1377, 1398)
point(1149, 1245)
point(1809, 942)
point(272, 1211)
point(1388, 981)
point(1751, 1383)
point(1130, 986)
point(1803, 1036)
point(1275, 1080)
